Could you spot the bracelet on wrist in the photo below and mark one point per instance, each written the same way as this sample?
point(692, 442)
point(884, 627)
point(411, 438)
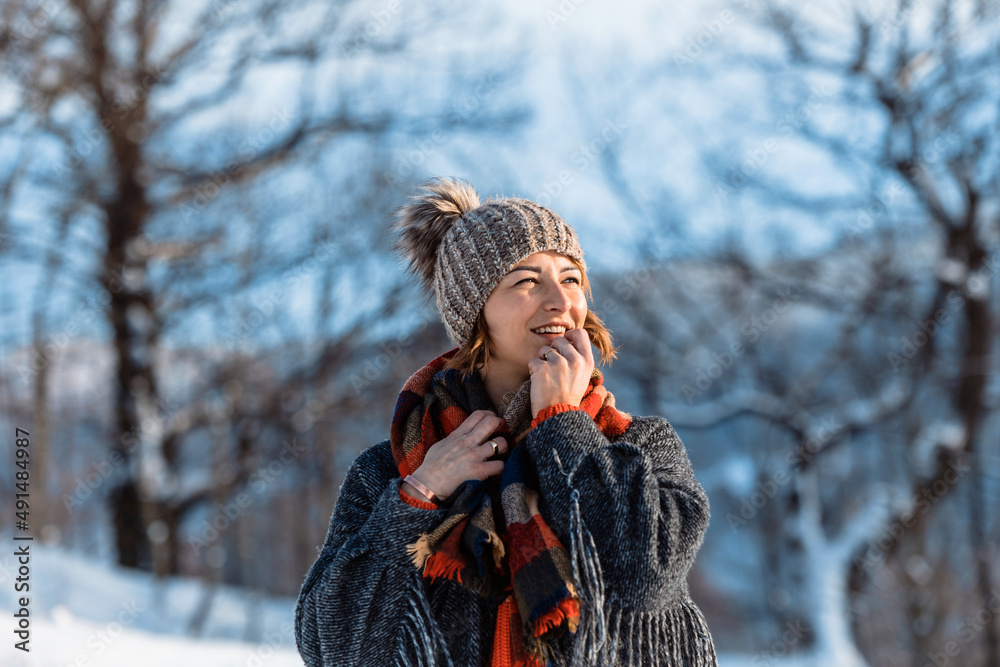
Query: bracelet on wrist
point(422, 488)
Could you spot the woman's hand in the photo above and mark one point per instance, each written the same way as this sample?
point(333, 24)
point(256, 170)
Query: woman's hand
point(565, 375)
point(461, 456)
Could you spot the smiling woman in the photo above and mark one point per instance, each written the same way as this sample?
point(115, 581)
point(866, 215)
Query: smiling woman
point(522, 288)
point(514, 516)
point(540, 299)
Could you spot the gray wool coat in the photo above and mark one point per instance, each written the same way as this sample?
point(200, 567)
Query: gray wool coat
point(630, 511)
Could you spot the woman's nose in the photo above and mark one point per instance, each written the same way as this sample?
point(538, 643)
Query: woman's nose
point(557, 297)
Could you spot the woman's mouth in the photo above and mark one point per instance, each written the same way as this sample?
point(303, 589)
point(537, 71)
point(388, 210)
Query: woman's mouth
point(550, 333)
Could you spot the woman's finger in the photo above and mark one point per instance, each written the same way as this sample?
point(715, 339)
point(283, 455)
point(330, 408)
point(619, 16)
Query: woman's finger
point(580, 340)
point(493, 467)
point(564, 346)
point(487, 447)
point(469, 425)
point(481, 430)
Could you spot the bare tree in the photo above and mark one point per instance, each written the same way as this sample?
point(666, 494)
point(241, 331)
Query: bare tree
point(936, 170)
point(152, 161)
point(883, 419)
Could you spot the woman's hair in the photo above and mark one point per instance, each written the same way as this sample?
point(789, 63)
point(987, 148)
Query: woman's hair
point(476, 352)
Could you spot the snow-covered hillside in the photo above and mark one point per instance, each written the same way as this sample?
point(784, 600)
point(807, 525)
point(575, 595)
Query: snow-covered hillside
point(87, 614)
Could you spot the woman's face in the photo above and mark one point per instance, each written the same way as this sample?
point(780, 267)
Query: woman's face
point(542, 288)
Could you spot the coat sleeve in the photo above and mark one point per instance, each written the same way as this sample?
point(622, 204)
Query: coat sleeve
point(362, 602)
point(637, 496)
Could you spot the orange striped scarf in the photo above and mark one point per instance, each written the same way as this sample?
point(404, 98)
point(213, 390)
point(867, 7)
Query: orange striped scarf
point(489, 546)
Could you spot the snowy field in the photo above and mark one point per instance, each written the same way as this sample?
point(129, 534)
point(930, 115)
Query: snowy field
point(88, 614)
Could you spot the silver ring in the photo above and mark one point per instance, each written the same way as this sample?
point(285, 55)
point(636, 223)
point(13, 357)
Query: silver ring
point(546, 356)
point(496, 448)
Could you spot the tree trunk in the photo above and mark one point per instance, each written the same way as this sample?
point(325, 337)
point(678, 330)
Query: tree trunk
point(133, 345)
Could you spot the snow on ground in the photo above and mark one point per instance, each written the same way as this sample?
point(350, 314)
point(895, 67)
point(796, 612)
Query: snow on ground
point(89, 614)
point(72, 641)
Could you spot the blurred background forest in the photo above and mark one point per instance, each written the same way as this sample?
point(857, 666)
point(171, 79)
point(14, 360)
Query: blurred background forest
point(791, 212)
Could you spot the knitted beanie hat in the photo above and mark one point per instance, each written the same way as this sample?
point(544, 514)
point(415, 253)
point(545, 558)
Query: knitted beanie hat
point(461, 249)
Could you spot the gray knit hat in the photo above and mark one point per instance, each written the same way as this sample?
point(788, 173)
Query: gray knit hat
point(462, 249)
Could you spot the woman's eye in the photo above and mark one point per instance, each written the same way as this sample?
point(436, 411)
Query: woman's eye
point(576, 280)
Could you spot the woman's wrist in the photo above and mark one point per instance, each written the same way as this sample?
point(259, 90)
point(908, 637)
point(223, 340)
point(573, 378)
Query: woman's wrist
point(415, 500)
point(554, 409)
point(416, 489)
point(409, 490)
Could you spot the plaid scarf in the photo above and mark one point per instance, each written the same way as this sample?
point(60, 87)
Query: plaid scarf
point(496, 548)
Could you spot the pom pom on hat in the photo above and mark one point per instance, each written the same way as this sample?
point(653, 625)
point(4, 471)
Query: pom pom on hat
point(423, 223)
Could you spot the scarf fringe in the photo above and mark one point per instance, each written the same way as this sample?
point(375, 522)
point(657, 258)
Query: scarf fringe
point(540, 652)
point(493, 542)
point(420, 551)
point(563, 609)
point(418, 632)
point(675, 636)
point(441, 564)
point(591, 634)
point(592, 630)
